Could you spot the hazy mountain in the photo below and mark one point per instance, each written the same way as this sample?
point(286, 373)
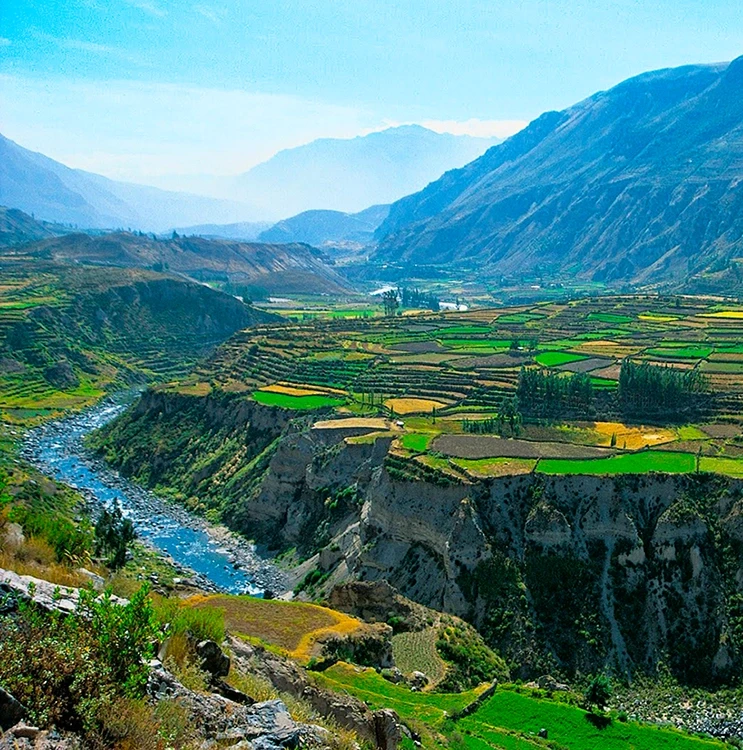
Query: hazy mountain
point(242, 230)
point(350, 174)
point(18, 228)
point(51, 191)
point(328, 228)
point(643, 182)
point(279, 269)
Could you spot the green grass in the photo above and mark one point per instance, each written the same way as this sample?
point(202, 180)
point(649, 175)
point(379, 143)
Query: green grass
point(603, 383)
point(681, 352)
point(553, 359)
point(691, 432)
point(628, 463)
point(285, 401)
point(611, 318)
point(732, 467)
point(416, 442)
point(570, 727)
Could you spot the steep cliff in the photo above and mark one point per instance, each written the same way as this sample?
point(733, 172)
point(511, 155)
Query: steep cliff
point(561, 574)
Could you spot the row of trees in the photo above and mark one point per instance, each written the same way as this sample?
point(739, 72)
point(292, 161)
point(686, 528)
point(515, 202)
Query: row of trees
point(548, 394)
point(404, 297)
point(507, 420)
point(646, 389)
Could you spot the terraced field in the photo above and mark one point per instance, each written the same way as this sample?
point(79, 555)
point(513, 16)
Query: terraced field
point(442, 375)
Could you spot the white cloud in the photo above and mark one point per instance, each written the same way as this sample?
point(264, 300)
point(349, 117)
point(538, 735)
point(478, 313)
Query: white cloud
point(150, 8)
point(215, 15)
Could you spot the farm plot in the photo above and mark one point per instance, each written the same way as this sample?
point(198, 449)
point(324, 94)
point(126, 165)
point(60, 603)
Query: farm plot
point(486, 446)
point(416, 652)
point(586, 365)
point(554, 359)
point(627, 463)
point(413, 405)
point(285, 401)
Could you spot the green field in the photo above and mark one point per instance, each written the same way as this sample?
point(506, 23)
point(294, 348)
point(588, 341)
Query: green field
point(267, 398)
point(628, 463)
point(568, 726)
point(553, 359)
point(416, 442)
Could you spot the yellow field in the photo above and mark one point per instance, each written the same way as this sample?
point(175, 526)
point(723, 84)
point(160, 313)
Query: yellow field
point(295, 390)
point(373, 423)
point(730, 314)
point(294, 627)
point(413, 405)
point(632, 437)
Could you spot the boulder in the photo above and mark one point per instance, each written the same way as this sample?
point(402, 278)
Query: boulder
point(212, 659)
point(387, 729)
point(11, 710)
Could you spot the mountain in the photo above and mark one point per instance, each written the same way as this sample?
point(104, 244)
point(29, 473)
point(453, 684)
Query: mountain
point(242, 230)
point(277, 269)
point(642, 183)
point(17, 228)
point(328, 228)
point(51, 191)
point(350, 174)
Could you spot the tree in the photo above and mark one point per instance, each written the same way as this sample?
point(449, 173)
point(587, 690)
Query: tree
point(598, 692)
point(389, 300)
point(113, 535)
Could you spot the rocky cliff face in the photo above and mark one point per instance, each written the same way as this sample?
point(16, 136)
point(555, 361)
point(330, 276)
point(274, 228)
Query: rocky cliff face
point(561, 574)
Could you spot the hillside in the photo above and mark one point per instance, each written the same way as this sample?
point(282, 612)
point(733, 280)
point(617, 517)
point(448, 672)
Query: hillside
point(350, 174)
point(328, 228)
point(69, 333)
point(18, 228)
point(51, 191)
point(279, 269)
point(640, 184)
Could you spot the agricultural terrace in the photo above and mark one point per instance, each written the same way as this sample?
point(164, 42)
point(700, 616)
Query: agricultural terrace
point(509, 720)
point(458, 387)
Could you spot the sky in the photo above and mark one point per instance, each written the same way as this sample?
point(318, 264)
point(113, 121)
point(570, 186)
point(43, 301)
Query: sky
point(147, 89)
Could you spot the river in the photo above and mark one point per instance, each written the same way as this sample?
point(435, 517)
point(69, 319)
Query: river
point(213, 557)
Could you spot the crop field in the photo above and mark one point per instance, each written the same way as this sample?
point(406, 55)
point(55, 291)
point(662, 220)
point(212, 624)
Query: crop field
point(438, 376)
point(416, 651)
point(507, 721)
point(293, 627)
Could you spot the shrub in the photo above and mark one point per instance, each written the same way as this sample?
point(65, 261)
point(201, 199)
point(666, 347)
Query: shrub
point(114, 535)
point(68, 669)
point(598, 692)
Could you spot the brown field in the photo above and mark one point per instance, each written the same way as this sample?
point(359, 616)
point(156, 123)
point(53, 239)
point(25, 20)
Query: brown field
point(721, 430)
point(586, 365)
point(486, 446)
point(611, 372)
point(371, 423)
point(495, 467)
point(289, 389)
point(413, 405)
point(292, 626)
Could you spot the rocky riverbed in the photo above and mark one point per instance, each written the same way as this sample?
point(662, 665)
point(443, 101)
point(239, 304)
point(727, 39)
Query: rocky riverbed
point(214, 558)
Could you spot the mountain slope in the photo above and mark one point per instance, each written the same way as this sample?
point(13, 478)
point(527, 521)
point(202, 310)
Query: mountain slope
point(328, 227)
point(17, 228)
point(36, 184)
point(350, 174)
point(280, 269)
point(641, 183)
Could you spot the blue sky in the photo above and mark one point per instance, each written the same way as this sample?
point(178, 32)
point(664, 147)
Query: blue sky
point(140, 89)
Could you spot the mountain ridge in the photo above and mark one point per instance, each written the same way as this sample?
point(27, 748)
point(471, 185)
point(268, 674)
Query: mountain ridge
point(635, 184)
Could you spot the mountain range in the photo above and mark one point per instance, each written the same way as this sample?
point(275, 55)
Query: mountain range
point(344, 174)
point(642, 183)
point(53, 192)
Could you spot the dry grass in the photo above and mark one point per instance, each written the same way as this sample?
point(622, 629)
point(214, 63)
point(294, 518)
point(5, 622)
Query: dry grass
point(413, 405)
point(372, 423)
point(33, 558)
point(294, 627)
point(632, 437)
point(290, 389)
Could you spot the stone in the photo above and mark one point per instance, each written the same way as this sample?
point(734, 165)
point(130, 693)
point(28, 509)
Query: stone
point(543, 733)
point(232, 694)
point(387, 729)
point(212, 659)
point(11, 710)
point(418, 680)
point(24, 731)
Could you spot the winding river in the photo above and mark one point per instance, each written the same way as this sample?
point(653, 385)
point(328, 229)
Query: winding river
point(213, 557)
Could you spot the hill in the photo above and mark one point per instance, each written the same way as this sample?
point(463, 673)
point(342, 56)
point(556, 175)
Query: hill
point(351, 174)
point(69, 332)
point(17, 228)
point(331, 228)
point(51, 191)
point(245, 231)
point(640, 184)
point(279, 269)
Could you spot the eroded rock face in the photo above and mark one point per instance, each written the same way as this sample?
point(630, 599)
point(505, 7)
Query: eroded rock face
point(11, 710)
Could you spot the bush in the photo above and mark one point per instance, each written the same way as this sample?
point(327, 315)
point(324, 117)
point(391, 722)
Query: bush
point(201, 623)
point(114, 535)
point(68, 669)
point(470, 661)
point(598, 692)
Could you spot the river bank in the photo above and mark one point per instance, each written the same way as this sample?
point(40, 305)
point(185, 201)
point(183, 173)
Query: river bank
point(214, 558)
